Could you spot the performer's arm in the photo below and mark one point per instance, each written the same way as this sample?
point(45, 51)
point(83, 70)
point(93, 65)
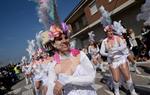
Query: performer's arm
point(103, 49)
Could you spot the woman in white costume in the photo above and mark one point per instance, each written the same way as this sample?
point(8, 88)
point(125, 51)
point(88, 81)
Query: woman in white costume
point(121, 32)
point(73, 68)
point(41, 66)
point(25, 70)
point(46, 68)
point(113, 47)
point(36, 70)
point(93, 50)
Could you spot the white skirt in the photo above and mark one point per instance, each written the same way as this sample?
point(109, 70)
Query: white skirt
point(115, 63)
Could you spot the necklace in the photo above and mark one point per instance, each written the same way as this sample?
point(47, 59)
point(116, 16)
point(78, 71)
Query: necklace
point(66, 56)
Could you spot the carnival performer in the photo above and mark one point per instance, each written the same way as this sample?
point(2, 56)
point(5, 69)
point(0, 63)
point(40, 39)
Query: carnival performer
point(46, 68)
point(36, 73)
point(25, 71)
point(113, 47)
point(121, 32)
point(33, 70)
point(74, 70)
point(44, 59)
point(40, 68)
point(25, 68)
point(93, 50)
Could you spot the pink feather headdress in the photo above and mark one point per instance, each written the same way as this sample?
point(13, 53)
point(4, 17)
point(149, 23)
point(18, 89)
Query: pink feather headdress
point(56, 31)
point(108, 28)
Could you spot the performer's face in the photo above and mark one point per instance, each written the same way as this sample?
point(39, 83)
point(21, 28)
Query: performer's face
point(92, 43)
point(44, 55)
point(109, 33)
point(62, 43)
point(130, 31)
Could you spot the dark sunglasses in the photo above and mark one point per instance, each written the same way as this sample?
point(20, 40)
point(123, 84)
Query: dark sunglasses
point(60, 38)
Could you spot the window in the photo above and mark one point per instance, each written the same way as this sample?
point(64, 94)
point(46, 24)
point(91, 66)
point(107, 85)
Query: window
point(93, 8)
point(77, 26)
point(84, 21)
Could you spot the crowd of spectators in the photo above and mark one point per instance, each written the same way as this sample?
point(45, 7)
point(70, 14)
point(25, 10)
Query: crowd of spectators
point(9, 75)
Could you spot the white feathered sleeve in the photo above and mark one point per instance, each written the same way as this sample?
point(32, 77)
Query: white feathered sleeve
point(51, 78)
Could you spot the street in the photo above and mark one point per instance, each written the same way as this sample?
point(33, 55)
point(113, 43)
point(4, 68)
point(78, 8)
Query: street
point(142, 84)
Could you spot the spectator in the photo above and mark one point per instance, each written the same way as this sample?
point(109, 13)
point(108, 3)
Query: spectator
point(133, 43)
point(17, 71)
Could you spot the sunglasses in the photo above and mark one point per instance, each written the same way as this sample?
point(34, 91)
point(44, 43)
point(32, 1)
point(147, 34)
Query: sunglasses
point(60, 38)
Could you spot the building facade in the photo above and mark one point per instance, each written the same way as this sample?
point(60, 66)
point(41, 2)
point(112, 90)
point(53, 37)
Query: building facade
point(86, 17)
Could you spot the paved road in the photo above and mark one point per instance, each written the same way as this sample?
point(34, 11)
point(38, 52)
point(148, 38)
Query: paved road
point(21, 89)
point(142, 84)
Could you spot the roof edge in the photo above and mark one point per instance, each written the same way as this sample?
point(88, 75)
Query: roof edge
point(75, 10)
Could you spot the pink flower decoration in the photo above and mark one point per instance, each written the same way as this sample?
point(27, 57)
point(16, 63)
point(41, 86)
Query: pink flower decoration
point(56, 58)
point(65, 27)
point(40, 50)
point(108, 27)
point(51, 36)
point(75, 52)
point(55, 30)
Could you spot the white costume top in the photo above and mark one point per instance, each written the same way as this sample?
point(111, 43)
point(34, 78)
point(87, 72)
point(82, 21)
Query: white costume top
point(84, 75)
point(93, 51)
point(26, 69)
point(44, 72)
point(36, 70)
point(40, 71)
point(126, 50)
point(114, 54)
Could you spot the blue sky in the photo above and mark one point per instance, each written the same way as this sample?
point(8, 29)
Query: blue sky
point(19, 23)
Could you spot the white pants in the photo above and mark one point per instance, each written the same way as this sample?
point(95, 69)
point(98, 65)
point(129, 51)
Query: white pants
point(115, 63)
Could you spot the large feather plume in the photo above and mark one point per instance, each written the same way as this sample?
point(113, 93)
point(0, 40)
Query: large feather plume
point(106, 20)
point(31, 47)
point(91, 36)
point(39, 39)
point(119, 29)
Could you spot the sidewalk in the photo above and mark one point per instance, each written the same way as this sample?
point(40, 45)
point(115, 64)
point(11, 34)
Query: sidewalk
point(21, 89)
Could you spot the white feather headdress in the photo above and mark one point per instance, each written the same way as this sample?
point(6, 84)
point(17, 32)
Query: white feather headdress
point(39, 39)
point(106, 19)
point(24, 60)
point(119, 29)
point(91, 36)
point(31, 48)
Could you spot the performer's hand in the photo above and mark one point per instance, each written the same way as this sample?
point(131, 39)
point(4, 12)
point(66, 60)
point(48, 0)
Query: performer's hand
point(58, 88)
point(131, 48)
